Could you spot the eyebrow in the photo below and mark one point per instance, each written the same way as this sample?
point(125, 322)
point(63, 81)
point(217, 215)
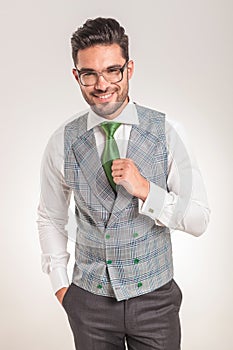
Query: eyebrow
point(85, 69)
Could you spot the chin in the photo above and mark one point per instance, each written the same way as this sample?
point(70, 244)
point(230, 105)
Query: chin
point(105, 109)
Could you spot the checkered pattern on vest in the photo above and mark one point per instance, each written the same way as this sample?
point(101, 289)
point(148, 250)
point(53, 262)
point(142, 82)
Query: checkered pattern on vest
point(119, 252)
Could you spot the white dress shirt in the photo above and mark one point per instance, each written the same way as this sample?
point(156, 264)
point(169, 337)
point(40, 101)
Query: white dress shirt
point(183, 206)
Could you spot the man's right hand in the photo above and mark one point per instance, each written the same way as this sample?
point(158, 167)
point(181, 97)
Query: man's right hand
point(61, 293)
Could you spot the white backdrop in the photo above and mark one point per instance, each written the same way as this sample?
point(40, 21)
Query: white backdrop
point(183, 52)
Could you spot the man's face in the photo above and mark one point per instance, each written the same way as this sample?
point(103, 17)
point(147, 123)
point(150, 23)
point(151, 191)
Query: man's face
point(105, 98)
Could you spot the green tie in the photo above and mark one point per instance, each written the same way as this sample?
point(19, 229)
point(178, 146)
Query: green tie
point(111, 150)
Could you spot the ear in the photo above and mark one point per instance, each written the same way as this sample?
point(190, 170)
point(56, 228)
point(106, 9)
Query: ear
point(130, 68)
point(75, 74)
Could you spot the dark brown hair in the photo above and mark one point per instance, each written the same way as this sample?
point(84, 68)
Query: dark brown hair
point(99, 31)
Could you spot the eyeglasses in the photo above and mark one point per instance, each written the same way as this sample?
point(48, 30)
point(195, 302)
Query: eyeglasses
point(112, 75)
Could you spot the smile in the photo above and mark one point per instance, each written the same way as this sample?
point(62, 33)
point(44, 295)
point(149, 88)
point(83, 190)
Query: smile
point(104, 97)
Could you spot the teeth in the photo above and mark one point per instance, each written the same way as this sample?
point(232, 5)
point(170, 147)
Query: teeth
point(105, 96)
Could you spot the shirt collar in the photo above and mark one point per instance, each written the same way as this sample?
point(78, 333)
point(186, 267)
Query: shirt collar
point(128, 115)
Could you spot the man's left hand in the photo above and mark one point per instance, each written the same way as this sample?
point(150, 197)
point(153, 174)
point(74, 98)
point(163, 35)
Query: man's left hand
point(126, 174)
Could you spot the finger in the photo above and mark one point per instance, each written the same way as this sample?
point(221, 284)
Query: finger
point(119, 160)
point(122, 161)
point(117, 172)
point(118, 180)
point(117, 166)
point(122, 164)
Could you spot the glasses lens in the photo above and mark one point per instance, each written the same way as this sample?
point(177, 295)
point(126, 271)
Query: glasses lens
point(88, 78)
point(112, 75)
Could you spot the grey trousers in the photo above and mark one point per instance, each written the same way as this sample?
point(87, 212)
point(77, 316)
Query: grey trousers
point(147, 322)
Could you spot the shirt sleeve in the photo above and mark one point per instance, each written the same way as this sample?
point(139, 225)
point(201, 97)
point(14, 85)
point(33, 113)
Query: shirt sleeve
point(183, 205)
point(53, 213)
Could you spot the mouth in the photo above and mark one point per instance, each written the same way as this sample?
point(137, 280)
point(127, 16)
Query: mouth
point(103, 98)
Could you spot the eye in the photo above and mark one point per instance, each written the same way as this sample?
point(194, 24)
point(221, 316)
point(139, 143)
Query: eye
point(113, 70)
point(88, 74)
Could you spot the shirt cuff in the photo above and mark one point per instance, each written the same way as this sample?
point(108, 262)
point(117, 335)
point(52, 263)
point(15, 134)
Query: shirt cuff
point(59, 279)
point(154, 203)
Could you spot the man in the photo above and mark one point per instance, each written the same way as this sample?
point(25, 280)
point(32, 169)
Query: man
point(133, 180)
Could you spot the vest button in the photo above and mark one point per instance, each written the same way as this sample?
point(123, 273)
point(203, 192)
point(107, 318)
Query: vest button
point(136, 261)
point(107, 236)
point(139, 284)
point(109, 262)
point(99, 286)
point(135, 234)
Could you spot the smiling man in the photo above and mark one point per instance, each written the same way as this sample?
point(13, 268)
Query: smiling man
point(133, 180)
point(106, 92)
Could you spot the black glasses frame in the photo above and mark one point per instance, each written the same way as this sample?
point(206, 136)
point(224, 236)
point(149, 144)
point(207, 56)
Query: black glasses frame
point(98, 74)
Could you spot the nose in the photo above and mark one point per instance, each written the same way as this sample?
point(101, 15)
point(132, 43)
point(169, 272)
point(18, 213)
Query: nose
point(101, 83)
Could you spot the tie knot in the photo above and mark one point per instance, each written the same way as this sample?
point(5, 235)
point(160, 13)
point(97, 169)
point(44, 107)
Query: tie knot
point(110, 128)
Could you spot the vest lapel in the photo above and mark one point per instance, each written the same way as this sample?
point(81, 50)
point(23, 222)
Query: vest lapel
point(87, 157)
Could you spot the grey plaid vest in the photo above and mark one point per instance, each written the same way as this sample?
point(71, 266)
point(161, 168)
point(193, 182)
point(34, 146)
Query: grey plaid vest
point(119, 252)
